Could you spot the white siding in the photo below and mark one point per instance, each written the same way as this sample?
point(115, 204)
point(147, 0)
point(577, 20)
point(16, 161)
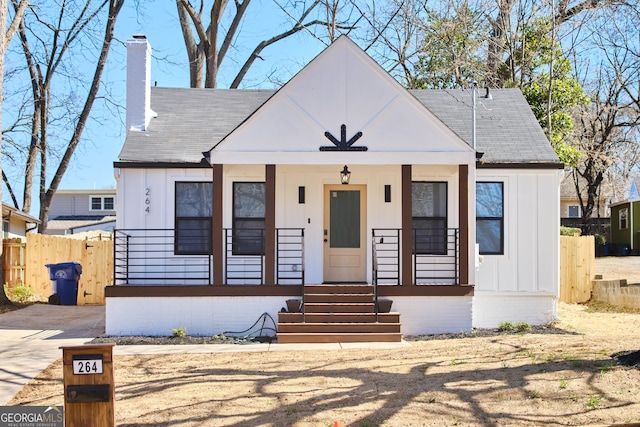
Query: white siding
point(530, 264)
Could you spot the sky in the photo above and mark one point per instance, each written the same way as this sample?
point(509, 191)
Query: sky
point(92, 164)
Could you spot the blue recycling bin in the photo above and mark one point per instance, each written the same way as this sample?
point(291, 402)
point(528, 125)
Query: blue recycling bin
point(64, 278)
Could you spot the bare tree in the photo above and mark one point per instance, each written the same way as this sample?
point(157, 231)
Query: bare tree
point(53, 36)
point(5, 37)
point(607, 133)
point(207, 45)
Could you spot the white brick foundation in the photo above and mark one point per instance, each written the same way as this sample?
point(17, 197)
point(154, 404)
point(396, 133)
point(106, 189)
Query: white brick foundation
point(489, 309)
point(433, 315)
point(203, 316)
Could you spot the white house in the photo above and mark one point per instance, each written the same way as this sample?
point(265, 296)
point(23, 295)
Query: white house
point(338, 189)
point(76, 211)
point(15, 223)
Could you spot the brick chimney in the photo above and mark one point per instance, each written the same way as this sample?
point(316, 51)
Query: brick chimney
point(139, 111)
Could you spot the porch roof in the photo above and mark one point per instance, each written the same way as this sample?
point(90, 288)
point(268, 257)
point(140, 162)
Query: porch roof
point(192, 121)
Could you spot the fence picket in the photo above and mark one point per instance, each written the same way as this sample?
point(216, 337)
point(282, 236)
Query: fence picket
point(577, 268)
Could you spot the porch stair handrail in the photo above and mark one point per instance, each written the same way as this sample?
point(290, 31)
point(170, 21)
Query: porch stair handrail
point(374, 273)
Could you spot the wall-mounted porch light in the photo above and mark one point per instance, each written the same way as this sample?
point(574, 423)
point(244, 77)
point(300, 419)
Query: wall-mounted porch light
point(345, 175)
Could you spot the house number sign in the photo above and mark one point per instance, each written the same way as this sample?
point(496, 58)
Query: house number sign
point(147, 200)
point(87, 364)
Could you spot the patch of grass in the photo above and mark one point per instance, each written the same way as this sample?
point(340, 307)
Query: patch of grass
point(292, 410)
point(563, 383)
point(523, 327)
point(606, 367)
point(603, 307)
point(594, 401)
point(534, 394)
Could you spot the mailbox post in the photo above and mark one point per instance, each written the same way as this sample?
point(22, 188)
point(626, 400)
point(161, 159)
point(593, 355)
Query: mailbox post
point(89, 392)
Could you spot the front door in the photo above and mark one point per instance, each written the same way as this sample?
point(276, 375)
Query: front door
point(345, 239)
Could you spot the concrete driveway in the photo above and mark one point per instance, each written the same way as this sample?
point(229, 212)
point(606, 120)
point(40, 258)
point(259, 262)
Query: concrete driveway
point(30, 340)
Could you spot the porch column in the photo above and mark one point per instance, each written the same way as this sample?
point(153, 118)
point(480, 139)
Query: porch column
point(406, 271)
point(270, 225)
point(463, 214)
point(217, 237)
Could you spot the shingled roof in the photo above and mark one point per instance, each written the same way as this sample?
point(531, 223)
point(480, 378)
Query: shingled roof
point(191, 121)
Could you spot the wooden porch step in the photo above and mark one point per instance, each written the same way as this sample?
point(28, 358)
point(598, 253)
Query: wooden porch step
point(338, 318)
point(334, 307)
point(288, 338)
point(338, 313)
point(333, 328)
point(338, 298)
point(338, 289)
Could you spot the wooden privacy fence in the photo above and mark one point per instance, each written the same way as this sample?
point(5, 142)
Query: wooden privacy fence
point(95, 257)
point(577, 268)
point(13, 261)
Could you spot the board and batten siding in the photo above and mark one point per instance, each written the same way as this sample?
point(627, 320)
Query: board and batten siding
point(522, 284)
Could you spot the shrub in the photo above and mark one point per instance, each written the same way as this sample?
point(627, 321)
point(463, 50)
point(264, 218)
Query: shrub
point(19, 294)
point(569, 231)
point(506, 326)
point(179, 332)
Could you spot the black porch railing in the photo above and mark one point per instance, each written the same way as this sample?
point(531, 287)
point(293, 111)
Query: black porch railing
point(152, 257)
point(158, 257)
point(435, 256)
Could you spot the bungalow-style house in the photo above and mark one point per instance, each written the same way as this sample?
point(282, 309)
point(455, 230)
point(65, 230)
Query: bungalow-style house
point(327, 198)
point(77, 211)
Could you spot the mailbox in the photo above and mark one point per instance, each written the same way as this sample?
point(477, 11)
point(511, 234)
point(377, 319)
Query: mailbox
point(89, 393)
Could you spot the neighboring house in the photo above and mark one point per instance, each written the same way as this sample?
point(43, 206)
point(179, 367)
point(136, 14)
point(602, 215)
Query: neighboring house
point(625, 222)
point(570, 203)
point(15, 223)
point(231, 202)
point(76, 211)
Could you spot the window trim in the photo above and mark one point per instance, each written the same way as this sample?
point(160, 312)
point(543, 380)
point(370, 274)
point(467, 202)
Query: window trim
point(201, 251)
point(235, 250)
point(437, 250)
point(102, 203)
point(623, 212)
point(492, 218)
point(577, 207)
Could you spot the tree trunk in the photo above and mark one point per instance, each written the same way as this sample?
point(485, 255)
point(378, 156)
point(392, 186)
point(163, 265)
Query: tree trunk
point(500, 26)
point(4, 300)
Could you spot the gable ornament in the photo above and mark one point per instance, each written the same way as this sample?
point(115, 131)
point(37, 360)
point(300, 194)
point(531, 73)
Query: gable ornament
point(343, 144)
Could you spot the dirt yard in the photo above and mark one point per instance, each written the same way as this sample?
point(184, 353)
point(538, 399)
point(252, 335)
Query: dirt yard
point(567, 377)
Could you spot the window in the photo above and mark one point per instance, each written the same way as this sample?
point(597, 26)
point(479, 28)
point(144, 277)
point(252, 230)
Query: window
point(193, 218)
point(429, 212)
point(248, 218)
point(574, 211)
point(623, 219)
point(490, 217)
point(102, 203)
